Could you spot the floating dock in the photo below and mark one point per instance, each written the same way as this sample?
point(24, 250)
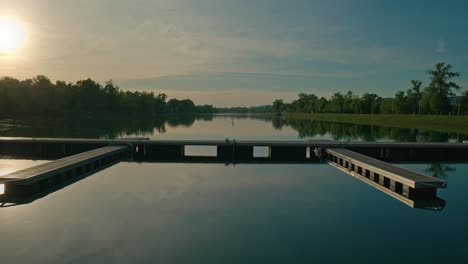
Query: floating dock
point(33, 180)
point(363, 160)
point(405, 185)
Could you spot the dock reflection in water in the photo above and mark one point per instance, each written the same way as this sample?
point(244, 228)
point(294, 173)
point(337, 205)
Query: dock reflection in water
point(432, 203)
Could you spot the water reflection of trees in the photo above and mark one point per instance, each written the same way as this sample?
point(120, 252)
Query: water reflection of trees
point(121, 127)
point(94, 128)
point(340, 131)
point(181, 120)
point(440, 171)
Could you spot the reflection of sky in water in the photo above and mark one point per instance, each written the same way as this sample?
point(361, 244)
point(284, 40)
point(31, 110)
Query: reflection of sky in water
point(225, 127)
point(209, 213)
point(9, 166)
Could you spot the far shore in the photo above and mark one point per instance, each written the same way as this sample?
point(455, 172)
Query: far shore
point(443, 123)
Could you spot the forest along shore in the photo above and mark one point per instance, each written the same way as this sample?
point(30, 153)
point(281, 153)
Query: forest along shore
point(443, 123)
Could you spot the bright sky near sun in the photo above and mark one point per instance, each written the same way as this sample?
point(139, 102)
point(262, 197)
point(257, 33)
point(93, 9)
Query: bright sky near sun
point(239, 52)
point(12, 35)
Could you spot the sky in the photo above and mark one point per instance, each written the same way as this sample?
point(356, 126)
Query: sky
point(243, 52)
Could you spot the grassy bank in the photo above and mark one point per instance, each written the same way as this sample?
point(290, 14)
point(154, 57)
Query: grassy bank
point(457, 124)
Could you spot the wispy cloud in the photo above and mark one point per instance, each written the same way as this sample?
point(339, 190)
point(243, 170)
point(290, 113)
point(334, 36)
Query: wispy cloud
point(214, 46)
point(440, 46)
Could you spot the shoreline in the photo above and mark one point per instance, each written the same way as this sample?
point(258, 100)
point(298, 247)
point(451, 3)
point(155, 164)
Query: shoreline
point(441, 123)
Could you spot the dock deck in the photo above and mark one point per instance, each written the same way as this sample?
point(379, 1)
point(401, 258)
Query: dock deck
point(409, 187)
point(404, 176)
point(89, 159)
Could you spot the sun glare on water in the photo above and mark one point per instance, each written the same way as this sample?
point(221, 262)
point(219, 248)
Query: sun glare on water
point(12, 34)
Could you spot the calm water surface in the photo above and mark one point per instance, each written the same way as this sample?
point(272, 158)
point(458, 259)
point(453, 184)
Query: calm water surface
point(211, 213)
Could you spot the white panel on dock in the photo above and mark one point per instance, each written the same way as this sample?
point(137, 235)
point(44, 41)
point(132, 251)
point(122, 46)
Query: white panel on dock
point(261, 152)
point(200, 151)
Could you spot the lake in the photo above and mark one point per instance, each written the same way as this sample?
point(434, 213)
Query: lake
point(244, 213)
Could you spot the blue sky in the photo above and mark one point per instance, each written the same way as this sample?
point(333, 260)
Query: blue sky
point(240, 52)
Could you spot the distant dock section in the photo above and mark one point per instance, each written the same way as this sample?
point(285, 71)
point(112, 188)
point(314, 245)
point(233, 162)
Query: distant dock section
point(233, 151)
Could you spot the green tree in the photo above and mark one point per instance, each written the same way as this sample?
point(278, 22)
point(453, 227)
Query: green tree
point(350, 104)
point(439, 104)
point(370, 103)
point(278, 106)
point(322, 105)
point(441, 87)
point(426, 100)
point(336, 103)
point(441, 79)
point(464, 103)
point(310, 101)
point(414, 97)
point(160, 103)
point(401, 105)
point(387, 106)
point(40, 96)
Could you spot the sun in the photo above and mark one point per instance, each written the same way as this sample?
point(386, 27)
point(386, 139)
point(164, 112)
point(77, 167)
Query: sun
point(12, 34)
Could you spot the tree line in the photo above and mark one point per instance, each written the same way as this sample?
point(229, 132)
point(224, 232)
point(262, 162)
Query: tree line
point(438, 97)
point(245, 110)
point(40, 95)
point(346, 132)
